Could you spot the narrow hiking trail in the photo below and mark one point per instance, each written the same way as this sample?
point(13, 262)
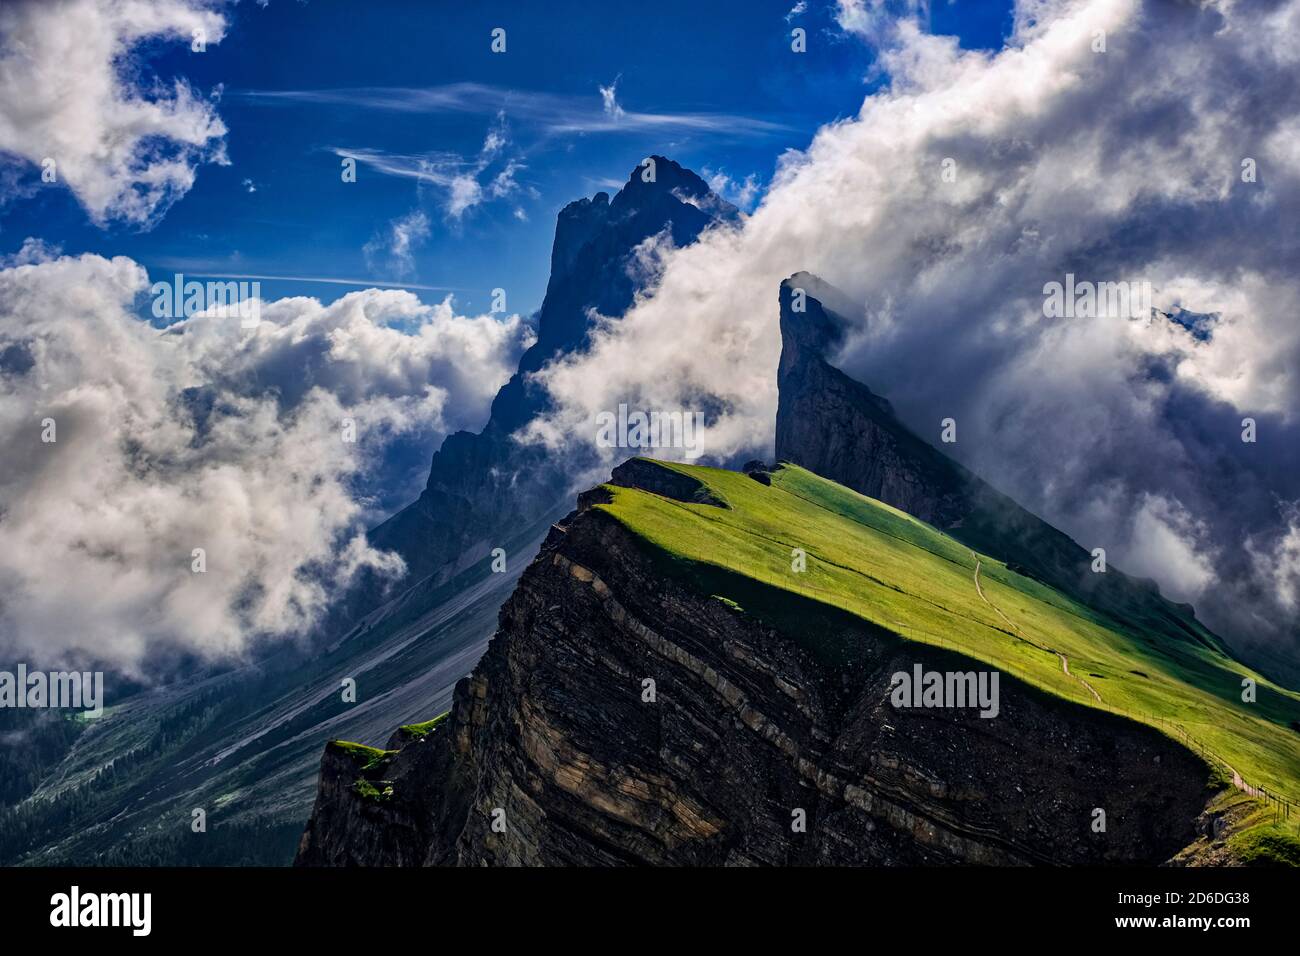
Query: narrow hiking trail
point(1065, 666)
point(1237, 780)
point(1065, 661)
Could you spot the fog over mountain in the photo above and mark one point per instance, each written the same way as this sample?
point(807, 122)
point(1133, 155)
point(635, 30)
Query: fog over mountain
point(207, 436)
point(1108, 140)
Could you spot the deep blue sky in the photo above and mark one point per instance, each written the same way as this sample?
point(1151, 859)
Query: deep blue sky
point(730, 62)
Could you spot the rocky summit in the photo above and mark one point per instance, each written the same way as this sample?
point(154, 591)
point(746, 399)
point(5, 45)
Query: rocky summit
point(837, 427)
point(481, 485)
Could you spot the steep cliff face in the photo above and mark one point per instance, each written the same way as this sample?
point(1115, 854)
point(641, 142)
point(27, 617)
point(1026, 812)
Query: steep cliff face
point(482, 483)
point(558, 751)
point(842, 430)
point(837, 427)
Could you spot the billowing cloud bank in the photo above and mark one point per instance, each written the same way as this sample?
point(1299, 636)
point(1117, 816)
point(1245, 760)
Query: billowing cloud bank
point(1109, 140)
point(204, 436)
point(74, 103)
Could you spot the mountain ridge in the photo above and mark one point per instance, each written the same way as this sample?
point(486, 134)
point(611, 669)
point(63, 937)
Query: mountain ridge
point(840, 429)
point(482, 482)
point(766, 703)
point(681, 575)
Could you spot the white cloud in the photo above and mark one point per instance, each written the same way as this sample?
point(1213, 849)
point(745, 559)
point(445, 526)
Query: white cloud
point(71, 91)
point(740, 193)
point(205, 436)
point(393, 249)
point(609, 100)
point(1169, 544)
point(876, 20)
point(552, 113)
point(1279, 564)
point(464, 182)
point(32, 251)
point(504, 183)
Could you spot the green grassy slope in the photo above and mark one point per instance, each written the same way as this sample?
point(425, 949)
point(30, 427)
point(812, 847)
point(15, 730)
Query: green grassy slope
point(906, 577)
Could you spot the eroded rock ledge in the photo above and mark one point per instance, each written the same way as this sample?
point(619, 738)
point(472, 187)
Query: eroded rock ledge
point(749, 724)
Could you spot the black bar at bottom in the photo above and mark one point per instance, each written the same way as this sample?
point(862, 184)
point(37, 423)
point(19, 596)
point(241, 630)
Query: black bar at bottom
point(212, 906)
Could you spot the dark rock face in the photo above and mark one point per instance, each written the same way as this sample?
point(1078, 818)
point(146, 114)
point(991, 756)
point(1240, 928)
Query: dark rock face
point(589, 269)
point(647, 474)
point(482, 483)
point(376, 828)
point(838, 428)
point(553, 739)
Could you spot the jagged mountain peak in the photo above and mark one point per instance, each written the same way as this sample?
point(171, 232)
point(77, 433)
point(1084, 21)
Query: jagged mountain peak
point(830, 296)
point(593, 239)
point(669, 177)
point(838, 428)
point(482, 484)
point(809, 327)
point(671, 184)
point(669, 191)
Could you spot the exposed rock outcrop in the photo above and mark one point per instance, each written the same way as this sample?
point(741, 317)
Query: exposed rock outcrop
point(482, 483)
point(837, 427)
point(557, 752)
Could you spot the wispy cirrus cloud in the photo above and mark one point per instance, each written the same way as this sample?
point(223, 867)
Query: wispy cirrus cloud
point(553, 113)
point(233, 266)
point(468, 181)
point(324, 280)
point(609, 100)
point(465, 181)
point(394, 246)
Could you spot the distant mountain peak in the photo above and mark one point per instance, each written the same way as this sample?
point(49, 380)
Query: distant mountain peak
point(837, 427)
point(668, 176)
point(809, 327)
point(483, 484)
point(593, 240)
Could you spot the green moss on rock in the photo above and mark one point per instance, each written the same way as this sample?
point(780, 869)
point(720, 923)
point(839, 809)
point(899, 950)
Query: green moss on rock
point(366, 758)
point(422, 730)
point(368, 790)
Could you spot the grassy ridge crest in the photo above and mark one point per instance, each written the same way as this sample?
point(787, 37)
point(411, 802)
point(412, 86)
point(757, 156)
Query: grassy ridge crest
point(901, 575)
